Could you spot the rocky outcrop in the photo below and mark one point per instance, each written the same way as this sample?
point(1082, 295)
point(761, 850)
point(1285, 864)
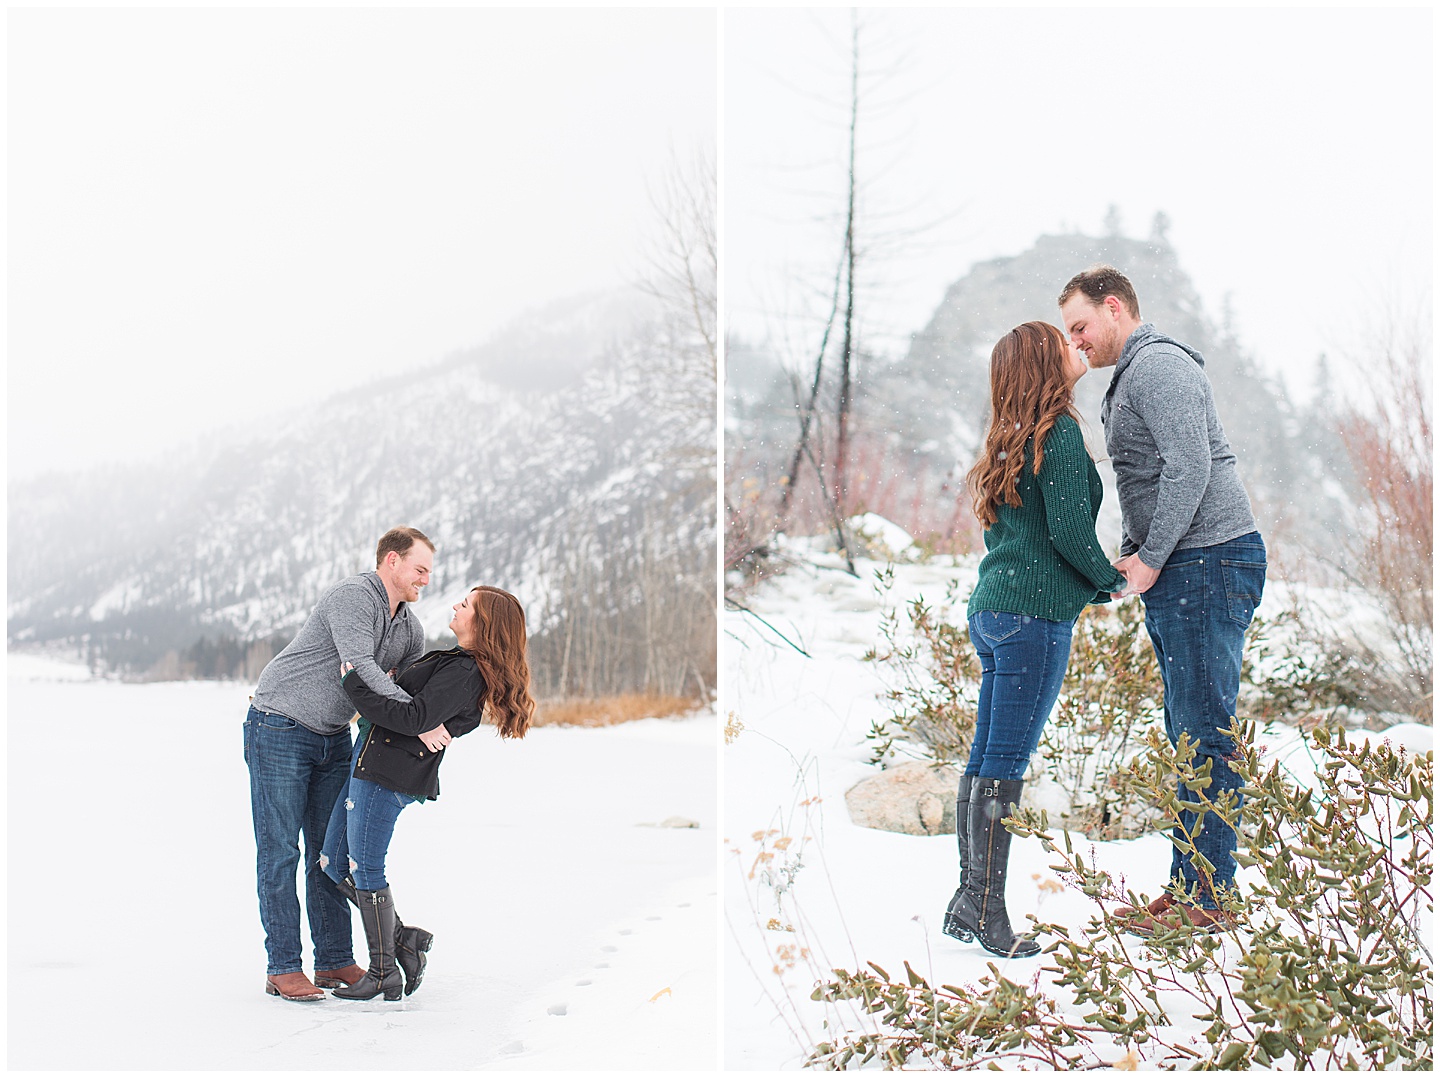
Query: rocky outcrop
point(913, 799)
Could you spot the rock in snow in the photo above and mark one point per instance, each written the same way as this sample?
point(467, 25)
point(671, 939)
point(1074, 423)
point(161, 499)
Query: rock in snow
point(913, 799)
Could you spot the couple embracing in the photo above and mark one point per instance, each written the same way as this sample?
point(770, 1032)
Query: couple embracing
point(1190, 550)
point(359, 656)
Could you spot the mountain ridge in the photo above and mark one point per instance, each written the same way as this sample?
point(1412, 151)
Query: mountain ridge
point(540, 441)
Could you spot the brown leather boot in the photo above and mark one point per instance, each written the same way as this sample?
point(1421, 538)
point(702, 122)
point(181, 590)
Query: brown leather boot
point(295, 987)
point(1178, 916)
point(1160, 906)
point(338, 978)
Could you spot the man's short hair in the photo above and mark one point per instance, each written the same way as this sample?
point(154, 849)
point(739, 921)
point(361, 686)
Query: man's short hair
point(1100, 281)
point(400, 540)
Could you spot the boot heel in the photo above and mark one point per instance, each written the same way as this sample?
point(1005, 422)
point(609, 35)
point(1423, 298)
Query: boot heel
point(956, 916)
point(393, 994)
point(271, 990)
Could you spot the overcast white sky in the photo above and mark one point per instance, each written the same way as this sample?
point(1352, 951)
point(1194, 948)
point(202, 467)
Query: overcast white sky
point(217, 214)
point(1291, 149)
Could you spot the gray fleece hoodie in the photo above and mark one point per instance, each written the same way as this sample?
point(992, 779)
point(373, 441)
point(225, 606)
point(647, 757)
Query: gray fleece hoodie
point(1174, 471)
point(351, 622)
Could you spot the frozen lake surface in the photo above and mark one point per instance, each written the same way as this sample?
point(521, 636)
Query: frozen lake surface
point(570, 932)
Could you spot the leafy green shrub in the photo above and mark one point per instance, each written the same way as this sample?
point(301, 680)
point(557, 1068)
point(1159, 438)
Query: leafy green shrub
point(950, 1028)
point(1286, 670)
point(1111, 699)
point(1111, 696)
point(936, 679)
point(1326, 968)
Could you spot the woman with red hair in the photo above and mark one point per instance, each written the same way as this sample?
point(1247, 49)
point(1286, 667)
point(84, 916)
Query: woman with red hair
point(1036, 492)
point(485, 677)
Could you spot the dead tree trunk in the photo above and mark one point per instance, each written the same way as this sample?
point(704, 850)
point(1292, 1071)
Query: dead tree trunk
point(847, 352)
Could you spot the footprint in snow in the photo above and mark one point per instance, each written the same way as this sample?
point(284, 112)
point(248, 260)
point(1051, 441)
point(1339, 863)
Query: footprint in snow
point(555, 1008)
point(602, 965)
point(609, 948)
point(514, 1048)
point(653, 917)
point(581, 984)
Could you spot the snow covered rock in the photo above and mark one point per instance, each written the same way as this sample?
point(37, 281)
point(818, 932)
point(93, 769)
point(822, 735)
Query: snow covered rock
point(881, 539)
point(913, 799)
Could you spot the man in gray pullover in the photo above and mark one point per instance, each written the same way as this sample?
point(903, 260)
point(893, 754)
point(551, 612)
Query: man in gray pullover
point(1189, 547)
point(298, 748)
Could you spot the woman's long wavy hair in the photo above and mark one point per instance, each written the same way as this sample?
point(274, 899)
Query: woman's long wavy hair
point(500, 652)
point(1029, 391)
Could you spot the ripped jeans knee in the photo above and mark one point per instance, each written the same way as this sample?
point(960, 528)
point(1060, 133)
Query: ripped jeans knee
point(370, 823)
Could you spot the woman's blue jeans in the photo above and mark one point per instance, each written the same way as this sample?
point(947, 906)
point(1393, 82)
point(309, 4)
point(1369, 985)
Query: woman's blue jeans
point(1022, 664)
point(358, 837)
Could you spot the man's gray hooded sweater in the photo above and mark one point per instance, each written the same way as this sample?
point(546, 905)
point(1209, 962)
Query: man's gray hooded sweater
point(1174, 470)
point(350, 623)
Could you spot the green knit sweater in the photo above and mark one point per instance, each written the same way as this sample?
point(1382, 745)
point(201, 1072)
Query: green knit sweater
point(1044, 559)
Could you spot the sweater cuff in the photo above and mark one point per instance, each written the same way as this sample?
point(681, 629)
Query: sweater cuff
point(1148, 557)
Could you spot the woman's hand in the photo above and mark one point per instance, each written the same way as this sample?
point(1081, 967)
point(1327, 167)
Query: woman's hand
point(345, 668)
point(436, 739)
point(1124, 592)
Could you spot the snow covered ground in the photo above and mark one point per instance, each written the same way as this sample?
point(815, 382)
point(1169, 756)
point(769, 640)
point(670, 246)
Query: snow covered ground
point(805, 889)
point(572, 933)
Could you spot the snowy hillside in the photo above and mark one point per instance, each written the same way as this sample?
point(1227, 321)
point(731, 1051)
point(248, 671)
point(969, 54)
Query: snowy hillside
point(542, 456)
point(919, 416)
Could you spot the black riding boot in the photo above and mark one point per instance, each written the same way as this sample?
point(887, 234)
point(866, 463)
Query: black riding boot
point(411, 943)
point(962, 836)
point(979, 911)
point(377, 914)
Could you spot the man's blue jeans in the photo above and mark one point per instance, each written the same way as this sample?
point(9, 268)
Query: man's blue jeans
point(1196, 613)
point(295, 777)
point(1022, 665)
point(358, 836)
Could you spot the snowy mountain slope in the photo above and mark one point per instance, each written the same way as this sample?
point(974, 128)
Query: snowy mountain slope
point(548, 438)
point(922, 414)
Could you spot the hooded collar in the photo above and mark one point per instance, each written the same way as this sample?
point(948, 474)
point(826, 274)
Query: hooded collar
point(1143, 335)
point(401, 611)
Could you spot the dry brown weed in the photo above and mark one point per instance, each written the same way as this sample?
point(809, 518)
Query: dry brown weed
point(610, 710)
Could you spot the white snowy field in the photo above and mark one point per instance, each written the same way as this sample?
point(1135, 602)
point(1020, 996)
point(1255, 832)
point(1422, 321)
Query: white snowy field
point(806, 890)
point(571, 933)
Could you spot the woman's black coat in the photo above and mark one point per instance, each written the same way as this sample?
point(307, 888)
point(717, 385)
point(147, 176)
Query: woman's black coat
point(444, 686)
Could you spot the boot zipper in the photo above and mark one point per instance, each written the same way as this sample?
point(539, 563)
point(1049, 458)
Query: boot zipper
point(989, 859)
point(375, 902)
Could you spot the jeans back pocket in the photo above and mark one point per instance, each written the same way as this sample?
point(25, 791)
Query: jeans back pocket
point(1244, 585)
point(997, 626)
